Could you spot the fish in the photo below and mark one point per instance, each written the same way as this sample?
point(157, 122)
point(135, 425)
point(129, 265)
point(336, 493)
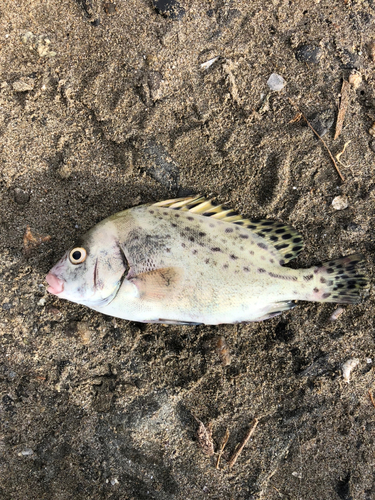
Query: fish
point(191, 261)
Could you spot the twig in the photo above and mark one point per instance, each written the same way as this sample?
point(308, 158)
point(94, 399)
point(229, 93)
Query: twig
point(239, 449)
point(316, 133)
point(372, 398)
point(222, 446)
point(344, 103)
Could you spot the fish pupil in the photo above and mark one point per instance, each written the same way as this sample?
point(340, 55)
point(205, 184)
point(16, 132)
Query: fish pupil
point(76, 255)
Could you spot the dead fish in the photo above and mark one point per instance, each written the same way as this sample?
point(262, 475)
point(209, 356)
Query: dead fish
point(187, 261)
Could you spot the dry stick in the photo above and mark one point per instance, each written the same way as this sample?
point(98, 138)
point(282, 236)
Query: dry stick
point(237, 452)
point(222, 446)
point(344, 103)
point(372, 398)
point(316, 133)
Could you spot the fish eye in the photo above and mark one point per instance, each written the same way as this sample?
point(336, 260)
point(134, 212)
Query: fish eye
point(77, 255)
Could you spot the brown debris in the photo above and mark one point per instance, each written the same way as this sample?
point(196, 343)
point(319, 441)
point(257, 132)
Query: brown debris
point(204, 435)
point(344, 103)
point(318, 136)
point(222, 446)
point(32, 241)
point(371, 50)
point(239, 448)
point(223, 351)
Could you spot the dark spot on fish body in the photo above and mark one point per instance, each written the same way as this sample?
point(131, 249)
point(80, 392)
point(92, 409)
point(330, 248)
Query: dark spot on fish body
point(216, 249)
point(297, 240)
point(201, 234)
point(262, 245)
point(165, 213)
point(194, 252)
point(225, 266)
point(241, 248)
point(261, 270)
point(233, 257)
point(229, 230)
point(168, 250)
point(308, 277)
point(212, 225)
point(177, 215)
point(183, 245)
point(244, 236)
point(151, 211)
point(274, 238)
point(272, 261)
point(288, 255)
point(246, 269)
point(286, 236)
point(191, 239)
point(262, 257)
point(207, 261)
point(330, 270)
point(280, 231)
point(239, 223)
point(250, 226)
point(190, 218)
point(316, 290)
point(281, 262)
point(251, 252)
point(173, 224)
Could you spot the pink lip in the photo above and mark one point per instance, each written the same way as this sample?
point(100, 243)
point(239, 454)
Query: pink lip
point(56, 284)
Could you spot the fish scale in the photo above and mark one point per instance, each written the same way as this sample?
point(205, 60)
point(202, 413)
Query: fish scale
point(190, 261)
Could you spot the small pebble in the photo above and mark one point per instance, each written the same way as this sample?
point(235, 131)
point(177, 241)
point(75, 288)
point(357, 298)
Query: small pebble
point(42, 302)
point(355, 79)
point(169, 8)
point(340, 202)
point(23, 85)
point(372, 129)
point(347, 368)
point(309, 54)
point(372, 145)
point(322, 121)
point(276, 82)
point(20, 196)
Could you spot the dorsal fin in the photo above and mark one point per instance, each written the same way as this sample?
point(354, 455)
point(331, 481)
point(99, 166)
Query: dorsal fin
point(287, 241)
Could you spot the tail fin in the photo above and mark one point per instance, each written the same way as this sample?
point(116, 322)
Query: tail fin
point(342, 280)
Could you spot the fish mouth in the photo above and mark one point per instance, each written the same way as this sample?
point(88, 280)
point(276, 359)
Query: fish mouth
point(56, 285)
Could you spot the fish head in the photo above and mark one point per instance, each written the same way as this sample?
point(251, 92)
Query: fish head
point(92, 271)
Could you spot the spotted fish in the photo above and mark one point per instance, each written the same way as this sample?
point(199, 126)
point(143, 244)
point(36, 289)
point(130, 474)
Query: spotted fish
point(187, 261)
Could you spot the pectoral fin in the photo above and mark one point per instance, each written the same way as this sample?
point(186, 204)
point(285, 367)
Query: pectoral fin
point(158, 284)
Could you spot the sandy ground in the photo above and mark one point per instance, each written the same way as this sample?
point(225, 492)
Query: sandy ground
point(104, 107)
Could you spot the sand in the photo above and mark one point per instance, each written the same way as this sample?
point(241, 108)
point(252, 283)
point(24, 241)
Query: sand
point(105, 107)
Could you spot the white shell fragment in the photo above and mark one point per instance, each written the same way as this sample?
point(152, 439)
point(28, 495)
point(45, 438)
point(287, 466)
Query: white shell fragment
point(340, 202)
point(355, 79)
point(347, 368)
point(26, 452)
point(276, 82)
point(209, 63)
point(335, 315)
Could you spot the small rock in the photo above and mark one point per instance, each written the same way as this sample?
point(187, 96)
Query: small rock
point(340, 202)
point(20, 196)
point(42, 302)
point(169, 8)
point(372, 145)
point(161, 166)
point(23, 85)
point(109, 8)
point(309, 54)
point(38, 44)
point(6, 306)
point(355, 79)
point(322, 121)
point(276, 82)
point(372, 129)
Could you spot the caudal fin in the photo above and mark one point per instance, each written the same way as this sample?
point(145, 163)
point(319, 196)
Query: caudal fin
point(342, 280)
